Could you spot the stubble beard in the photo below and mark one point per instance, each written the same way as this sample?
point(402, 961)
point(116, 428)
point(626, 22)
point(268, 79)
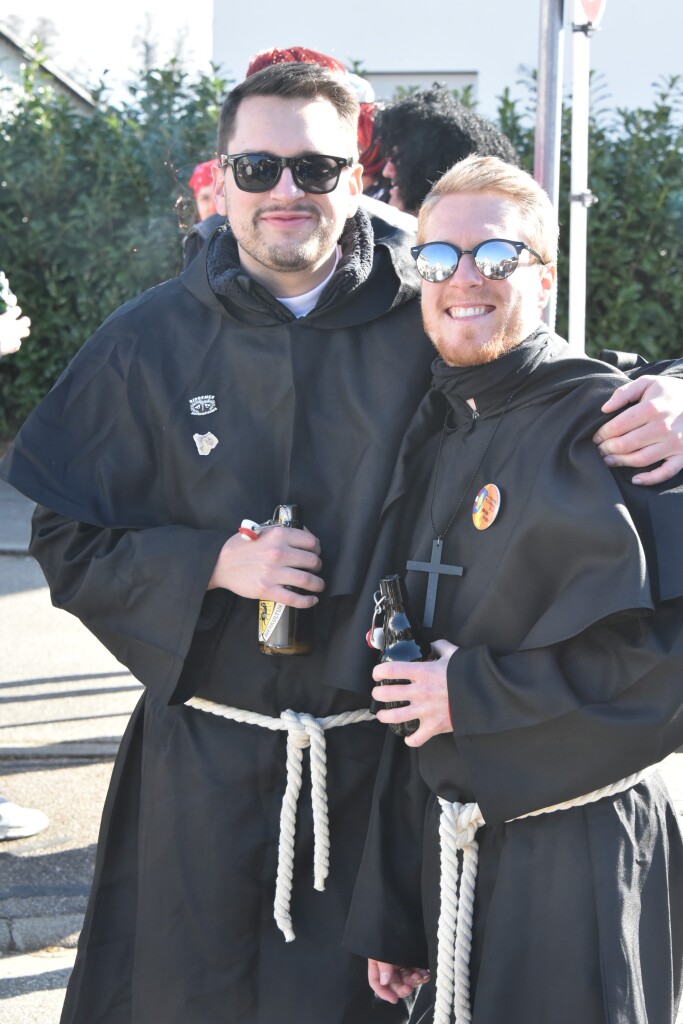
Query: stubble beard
point(468, 351)
point(295, 255)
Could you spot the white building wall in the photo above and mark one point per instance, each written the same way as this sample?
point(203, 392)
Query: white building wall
point(494, 39)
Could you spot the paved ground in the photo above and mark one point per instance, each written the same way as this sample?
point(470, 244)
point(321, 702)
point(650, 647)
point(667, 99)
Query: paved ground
point(64, 703)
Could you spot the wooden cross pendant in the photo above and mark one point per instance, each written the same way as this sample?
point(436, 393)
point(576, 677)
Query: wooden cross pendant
point(434, 569)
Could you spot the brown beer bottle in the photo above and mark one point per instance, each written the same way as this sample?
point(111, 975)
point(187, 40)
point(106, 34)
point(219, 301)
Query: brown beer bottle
point(402, 641)
point(282, 629)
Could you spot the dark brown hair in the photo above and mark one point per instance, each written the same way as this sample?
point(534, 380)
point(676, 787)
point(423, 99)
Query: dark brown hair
point(291, 81)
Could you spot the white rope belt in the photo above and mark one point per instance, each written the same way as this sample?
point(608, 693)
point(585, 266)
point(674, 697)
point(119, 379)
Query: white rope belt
point(457, 830)
point(303, 731)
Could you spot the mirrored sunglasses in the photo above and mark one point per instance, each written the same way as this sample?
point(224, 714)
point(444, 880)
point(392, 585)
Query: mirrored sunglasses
point(315, 173)
point(495, 259)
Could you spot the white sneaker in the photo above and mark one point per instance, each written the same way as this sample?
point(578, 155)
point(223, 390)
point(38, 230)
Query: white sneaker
point(19, 822)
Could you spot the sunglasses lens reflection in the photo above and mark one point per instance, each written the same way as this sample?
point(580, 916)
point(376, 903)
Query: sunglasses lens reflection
point(436, 262)
point(259, 172)
point(496, 260)
point(256, 172)
point(316, 174)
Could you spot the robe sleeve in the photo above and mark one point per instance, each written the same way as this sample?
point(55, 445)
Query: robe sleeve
point(537, 727)
point(635, 366)
point(385, 918)
point(663, 367)
point(142, 593)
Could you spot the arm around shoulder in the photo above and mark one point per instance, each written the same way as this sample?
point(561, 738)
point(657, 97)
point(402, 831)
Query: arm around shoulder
point(647, 428)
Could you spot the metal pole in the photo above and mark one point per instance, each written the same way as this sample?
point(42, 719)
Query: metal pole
point(580, 197)
point(549, 112)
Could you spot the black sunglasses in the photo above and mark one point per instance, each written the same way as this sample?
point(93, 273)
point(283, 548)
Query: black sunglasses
point(315, 173)
point(495, 259)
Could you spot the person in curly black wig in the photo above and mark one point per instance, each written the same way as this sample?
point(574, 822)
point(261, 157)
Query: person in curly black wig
point(426, 133)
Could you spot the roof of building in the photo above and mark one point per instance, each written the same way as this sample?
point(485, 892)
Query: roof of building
point(25, 52)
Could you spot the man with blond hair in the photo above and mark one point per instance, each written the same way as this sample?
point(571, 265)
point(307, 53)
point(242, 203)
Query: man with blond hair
point(551, 881)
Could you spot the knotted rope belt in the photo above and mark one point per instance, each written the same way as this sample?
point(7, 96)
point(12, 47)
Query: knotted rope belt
point(457, 830)
point(303, 731)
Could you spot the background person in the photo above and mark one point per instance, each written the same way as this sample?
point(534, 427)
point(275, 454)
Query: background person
point(424, 134)
point(16, 822)
point(207, 219)
point(13, 326)
point(201, 183)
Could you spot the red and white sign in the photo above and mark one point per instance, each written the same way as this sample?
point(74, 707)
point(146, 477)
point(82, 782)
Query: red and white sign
point(594, 10)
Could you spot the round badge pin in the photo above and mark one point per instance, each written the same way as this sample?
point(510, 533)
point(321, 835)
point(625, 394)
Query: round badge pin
point(486, 507)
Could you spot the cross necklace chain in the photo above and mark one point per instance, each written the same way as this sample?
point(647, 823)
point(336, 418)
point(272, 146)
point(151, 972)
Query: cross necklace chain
point(435, 568)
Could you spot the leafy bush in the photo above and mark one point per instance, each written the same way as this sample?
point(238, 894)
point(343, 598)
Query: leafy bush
point(87, 215)
point(634, 291)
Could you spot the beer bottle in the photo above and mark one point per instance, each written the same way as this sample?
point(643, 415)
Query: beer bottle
point(281, 628)
point(402, 641)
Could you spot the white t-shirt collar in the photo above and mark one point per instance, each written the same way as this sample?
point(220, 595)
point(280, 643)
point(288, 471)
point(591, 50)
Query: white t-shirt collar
point(301, 305)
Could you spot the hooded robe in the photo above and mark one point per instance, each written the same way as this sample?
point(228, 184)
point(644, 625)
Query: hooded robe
point(569, 625)
point(180, 925)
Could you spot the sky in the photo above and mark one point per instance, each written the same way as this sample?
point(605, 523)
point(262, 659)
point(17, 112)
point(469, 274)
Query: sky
point(631, 50)
point(495, 38)
point(94, 38)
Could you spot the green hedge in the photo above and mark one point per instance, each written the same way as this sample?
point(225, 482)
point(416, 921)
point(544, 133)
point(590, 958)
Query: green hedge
point(634, 293)
point(87, 216)
point(87, 211)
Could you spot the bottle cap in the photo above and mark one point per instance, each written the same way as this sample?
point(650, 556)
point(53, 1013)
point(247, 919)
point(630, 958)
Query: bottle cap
point(375, 638)
point(249, 530)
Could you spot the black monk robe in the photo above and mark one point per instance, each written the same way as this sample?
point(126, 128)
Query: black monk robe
point(569, 623)
point(180, 926)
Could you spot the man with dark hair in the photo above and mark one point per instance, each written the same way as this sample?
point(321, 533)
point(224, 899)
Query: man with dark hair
point(298, 82)
point(281, 368)
point(427, 132)
point(370, 156)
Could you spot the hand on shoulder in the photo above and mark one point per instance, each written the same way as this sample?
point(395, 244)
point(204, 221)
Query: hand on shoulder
point(648, 429)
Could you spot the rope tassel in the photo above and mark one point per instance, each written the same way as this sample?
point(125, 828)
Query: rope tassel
point(303, 731)
point(458, 826)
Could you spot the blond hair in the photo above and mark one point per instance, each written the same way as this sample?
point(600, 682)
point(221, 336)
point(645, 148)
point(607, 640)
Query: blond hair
point(489, 174)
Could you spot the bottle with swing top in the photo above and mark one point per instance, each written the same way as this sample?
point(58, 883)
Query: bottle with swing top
point(402, 641)
point(281, 628)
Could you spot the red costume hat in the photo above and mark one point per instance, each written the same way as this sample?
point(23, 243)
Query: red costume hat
point(202, 176)
point(293, 55)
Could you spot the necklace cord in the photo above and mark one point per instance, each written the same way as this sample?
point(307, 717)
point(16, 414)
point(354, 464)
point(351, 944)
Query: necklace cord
point(439, 537)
